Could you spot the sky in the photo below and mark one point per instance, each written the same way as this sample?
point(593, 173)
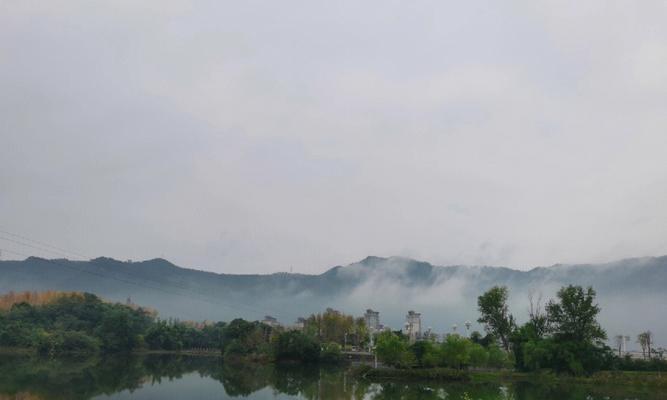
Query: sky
point(255, 136)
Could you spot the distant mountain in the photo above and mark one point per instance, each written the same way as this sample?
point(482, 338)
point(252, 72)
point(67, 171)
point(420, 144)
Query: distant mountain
point(632, 292)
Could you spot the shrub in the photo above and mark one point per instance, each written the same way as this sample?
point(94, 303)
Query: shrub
point(296, 346)
point(479, 356)
point(426, 354)
point(455, 351)
point(391, 349)
point(497, 357)
point(331, 353)
point(61, 342)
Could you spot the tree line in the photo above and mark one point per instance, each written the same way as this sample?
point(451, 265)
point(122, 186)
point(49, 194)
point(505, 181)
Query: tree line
point(57, 323)
point(562, 335)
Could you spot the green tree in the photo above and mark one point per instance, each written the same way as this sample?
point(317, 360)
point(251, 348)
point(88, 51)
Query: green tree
point(479, 356)
point(360, 332)
point(495, 314)
point(118, 331)
point(296, 346)
point(536, 354)
point(241, 338)
point(522, 336)
point(425, 353)
point(391, 349)
point(574, 315)
point(529, 348)
point(455, 351)
point(498, 358)
point(331, 326)
point(331, 353)
point(578, 339)
point(645, 340)
point(538, 319)
point(67, 342)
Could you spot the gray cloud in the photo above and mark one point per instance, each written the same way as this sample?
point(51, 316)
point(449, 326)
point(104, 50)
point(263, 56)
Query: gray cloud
point(257, 136)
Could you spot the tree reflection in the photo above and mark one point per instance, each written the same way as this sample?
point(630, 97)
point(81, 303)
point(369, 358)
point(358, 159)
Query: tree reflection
point(30, 377)
point(242, 379)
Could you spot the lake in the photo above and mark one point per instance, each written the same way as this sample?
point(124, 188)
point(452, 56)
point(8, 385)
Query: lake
point(27, 377)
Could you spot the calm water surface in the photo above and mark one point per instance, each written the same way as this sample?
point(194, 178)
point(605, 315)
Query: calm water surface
point(181, 377)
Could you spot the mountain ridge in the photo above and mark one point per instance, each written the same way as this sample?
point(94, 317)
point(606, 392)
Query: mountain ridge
point(392, 285)
point(371, 261)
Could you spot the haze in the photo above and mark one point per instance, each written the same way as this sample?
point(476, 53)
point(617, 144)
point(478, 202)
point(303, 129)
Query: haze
point(262, 136)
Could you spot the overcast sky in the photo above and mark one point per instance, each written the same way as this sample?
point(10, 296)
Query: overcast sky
point(255, 136)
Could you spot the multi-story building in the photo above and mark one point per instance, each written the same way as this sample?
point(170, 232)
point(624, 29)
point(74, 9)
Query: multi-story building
point(270, 321)
point(300, 323)
point(372, 319)
point(413, 325)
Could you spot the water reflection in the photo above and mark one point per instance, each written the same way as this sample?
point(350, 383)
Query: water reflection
point(171, 377)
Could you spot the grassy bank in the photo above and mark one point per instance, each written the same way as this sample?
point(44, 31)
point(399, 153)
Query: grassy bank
point(606, 378)
point(17, 350)
point(635, 378)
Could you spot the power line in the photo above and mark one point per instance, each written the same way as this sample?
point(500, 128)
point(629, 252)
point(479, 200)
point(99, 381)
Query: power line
point(43, 246)
point(31, 246)
point(2, 230)
point(198, 297)
point(58, 253)
point(50, 248)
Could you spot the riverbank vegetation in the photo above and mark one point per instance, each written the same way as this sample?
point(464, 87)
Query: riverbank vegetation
point(455, 352)
point(65, 323)
point(562, 336)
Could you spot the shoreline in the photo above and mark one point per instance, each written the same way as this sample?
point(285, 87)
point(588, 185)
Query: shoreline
point(28, 350)
point(649, 379)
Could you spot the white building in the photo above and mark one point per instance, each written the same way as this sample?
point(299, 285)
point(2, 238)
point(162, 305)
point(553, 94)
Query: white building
point(372, 319)
point(413, 325)
point(270, 321)
point(300, 324)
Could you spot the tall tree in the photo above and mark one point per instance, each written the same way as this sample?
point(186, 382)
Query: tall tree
point(537, 317)
point(645, 340)
point(641, 339)
point(330, 326)
point(618, 341)
point(574, 315)
point(360, 331)
point(577, 337)
point(495, 314)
